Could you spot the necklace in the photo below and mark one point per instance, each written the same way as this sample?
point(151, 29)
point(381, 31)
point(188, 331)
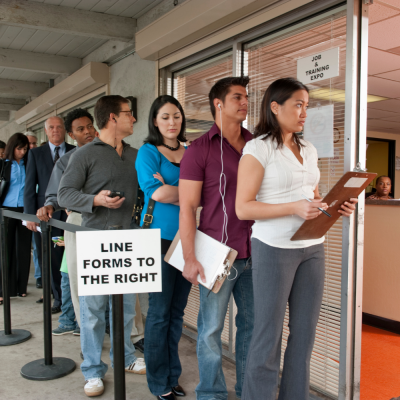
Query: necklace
point(172, 148)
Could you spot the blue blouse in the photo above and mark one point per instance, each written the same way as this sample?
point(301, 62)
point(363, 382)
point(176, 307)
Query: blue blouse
point(148, 162)
point(15, 194)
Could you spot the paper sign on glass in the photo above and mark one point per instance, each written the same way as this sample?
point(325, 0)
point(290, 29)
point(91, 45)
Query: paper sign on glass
point(319, 66)
point(119, 262)
point(318, 129)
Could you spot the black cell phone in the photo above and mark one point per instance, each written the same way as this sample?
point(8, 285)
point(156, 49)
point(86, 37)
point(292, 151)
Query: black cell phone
point(116, 193)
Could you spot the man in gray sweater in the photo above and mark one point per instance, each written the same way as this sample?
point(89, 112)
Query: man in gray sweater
point(93, 172)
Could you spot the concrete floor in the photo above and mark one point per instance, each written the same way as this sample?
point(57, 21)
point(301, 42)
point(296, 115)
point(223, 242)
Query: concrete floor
point(26, 314)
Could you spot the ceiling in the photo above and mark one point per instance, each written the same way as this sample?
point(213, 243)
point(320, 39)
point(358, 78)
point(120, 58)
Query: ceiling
point(30, 28)
point(384, 66)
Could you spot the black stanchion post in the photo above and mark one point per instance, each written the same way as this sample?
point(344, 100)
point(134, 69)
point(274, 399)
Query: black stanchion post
point(49, 367)
point(117, 301)
point(46, 282)
point(118, 346)
point(8, 337)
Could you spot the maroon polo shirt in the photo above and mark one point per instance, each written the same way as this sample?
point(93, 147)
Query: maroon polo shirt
point(202, 162)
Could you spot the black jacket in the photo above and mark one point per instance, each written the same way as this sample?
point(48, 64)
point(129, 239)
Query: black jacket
point(5, 185)
point(38, 171)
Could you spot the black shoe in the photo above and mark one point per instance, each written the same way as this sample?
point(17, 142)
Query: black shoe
point(139, 345)
point(55, 310)
point(40, 301)
point(178, 391)
point(170, 396)
point(39, 283)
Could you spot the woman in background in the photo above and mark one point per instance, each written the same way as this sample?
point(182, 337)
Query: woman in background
point(12, 198)
point(157, 166)
point(383, 189)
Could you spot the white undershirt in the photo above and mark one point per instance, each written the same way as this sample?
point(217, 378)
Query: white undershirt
point(285, 180)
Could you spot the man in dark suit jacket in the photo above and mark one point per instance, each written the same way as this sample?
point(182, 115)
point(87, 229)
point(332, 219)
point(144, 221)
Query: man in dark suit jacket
point(41, 161)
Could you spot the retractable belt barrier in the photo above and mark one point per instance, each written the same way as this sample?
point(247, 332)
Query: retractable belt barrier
point(50, 367)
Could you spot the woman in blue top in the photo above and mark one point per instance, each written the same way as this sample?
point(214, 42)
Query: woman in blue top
point(12, 198)
point(157, 166)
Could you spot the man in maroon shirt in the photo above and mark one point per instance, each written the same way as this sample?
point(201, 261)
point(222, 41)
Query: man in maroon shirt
point(199, 185)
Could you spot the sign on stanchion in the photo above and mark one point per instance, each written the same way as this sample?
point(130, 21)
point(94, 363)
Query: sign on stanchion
point(49, 367)
point(118, 262)
point(9, 336)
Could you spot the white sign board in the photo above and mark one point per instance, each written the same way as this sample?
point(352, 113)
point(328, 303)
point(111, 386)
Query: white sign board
point(119, 262)
point(319, 66)
point(318, 129)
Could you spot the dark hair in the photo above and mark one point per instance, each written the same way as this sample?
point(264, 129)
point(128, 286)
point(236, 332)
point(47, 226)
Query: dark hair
point(221, 89)
point(73, 115)
point(107, 105)
point(16, 140)
point(279, 91)
point(380, 177)
point(2, 145)
point(154, 137)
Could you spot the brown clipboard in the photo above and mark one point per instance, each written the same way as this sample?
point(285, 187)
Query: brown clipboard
point(317, 227)
point(231, 257)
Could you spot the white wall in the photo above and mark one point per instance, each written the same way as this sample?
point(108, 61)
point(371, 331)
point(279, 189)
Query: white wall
point(135, 77)
point(9, 128)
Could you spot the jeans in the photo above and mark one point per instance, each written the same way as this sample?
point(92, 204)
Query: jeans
point(281, 276)
point(93, 326)
point(67, 318)
point(210, 323)
point(164, 329)
point(38, 271)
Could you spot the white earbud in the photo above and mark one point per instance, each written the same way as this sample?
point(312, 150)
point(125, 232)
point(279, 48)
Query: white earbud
point(219, 106)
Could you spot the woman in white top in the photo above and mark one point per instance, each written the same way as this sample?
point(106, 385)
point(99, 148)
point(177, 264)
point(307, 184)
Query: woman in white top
point(276, 169)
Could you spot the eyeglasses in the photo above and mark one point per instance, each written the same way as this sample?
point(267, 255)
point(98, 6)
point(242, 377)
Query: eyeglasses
point(130, 112)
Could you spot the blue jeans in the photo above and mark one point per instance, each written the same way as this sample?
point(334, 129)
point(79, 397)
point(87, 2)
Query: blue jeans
point(210, 324)
point(67, 318)
point(93, 326)
point(38, 271)
point(164, 329)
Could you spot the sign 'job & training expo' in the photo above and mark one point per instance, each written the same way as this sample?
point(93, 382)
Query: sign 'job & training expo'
point(319, 66)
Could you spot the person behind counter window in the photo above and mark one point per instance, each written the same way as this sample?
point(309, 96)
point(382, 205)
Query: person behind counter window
point(158, 166)
point(276, 169)
point(12, 198)
point(383, 188)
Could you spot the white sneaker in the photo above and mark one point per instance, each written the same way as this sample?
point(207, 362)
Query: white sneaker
point(94, 387)
point(137, 367)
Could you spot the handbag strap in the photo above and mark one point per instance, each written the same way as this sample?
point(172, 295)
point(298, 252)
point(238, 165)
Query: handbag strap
point(148, 217)
point(138, 208)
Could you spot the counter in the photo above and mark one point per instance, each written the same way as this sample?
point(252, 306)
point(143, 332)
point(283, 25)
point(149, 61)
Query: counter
point(381, 288)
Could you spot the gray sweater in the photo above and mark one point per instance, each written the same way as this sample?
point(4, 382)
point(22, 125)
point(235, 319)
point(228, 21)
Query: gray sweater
point(95, 167)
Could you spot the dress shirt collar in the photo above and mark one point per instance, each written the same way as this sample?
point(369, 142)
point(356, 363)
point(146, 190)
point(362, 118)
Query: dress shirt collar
point(215, 131)
point(61, 151)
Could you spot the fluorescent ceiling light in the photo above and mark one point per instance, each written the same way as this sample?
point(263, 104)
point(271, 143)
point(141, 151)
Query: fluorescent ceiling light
point(189, 130)
point(339, 95)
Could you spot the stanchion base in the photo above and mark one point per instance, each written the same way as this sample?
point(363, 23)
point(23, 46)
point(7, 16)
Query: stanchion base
point(17, 336)
point(38, 371)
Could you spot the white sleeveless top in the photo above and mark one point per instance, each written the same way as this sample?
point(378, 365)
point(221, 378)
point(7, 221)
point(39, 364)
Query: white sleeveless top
point(285, 180)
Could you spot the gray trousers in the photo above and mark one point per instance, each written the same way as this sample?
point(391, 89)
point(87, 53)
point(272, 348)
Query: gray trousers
point(70, 248)
point(281, 276)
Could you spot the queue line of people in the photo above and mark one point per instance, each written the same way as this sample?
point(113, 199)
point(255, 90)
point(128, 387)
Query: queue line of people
point(262, 180)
